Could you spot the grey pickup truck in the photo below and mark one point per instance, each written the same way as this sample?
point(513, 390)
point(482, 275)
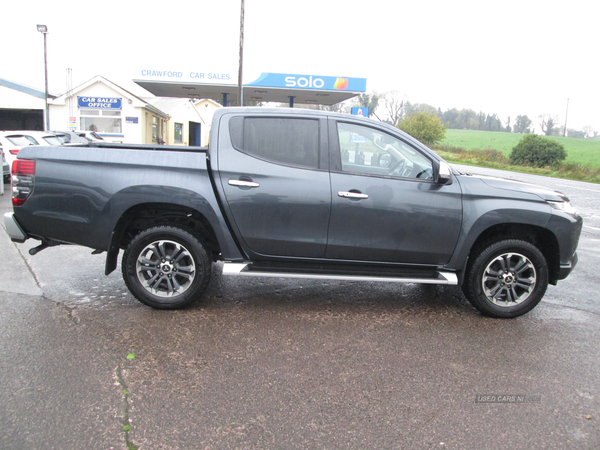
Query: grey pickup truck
point(295, 193)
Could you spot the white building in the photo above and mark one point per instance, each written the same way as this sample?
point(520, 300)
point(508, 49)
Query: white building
point(113, 112)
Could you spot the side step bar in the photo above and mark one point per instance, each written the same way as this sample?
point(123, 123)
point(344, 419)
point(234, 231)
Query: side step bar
point(246, 270)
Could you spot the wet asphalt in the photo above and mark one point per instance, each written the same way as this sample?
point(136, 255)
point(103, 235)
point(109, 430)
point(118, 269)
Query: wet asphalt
point(294, 364)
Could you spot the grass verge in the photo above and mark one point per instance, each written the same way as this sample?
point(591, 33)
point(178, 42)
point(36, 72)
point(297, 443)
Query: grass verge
point(495, 159)
point(583, 151)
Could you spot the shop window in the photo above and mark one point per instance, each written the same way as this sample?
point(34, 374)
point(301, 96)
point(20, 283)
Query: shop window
point(101, 120)
point(178, 133)
point(158, 130)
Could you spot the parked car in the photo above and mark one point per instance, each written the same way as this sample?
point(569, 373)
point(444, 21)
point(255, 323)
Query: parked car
point(42, 137)
point(72, 137)
point(13, 141)
point(5, 167)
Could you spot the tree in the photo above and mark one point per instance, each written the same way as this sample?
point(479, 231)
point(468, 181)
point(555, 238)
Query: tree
point(492, 123)
point(575, 133)
point(467, 120)
point(370, 101)
point(522, 125)
point(549, 124)
point(419, 107)
point(537, 151)
point(423, 126)
point(481, 121)
point(394, 104)
point(450, 118)
point(589, 131)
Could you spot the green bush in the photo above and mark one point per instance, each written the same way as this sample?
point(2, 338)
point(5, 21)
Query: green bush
point(424, 127)
point(537, 151)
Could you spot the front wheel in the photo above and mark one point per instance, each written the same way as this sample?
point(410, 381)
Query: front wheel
point(506, 279)
point(166, 267)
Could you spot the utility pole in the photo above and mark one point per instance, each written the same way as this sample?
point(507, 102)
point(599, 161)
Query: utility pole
point(240, 87)
point(566, 114)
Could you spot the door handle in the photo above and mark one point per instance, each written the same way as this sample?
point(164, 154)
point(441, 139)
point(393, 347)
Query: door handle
point(243, 183)
point(357, 195)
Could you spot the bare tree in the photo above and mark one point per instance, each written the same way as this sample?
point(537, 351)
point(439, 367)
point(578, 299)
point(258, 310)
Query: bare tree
point(394, 104)
point(549, 124)
point(589, 131)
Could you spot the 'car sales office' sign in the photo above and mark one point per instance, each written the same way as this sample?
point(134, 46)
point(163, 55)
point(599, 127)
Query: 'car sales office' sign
point(99, 102)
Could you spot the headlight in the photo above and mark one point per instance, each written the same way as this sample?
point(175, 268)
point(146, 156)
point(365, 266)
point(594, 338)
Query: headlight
point(564, 207)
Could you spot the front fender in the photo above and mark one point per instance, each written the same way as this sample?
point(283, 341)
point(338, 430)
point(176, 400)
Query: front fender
point(484, 215)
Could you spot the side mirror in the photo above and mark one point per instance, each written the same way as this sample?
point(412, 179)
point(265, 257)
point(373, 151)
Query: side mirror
point(444, 174)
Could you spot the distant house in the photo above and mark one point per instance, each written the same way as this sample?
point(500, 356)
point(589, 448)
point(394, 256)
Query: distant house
point(113, 112)
point(190, 119)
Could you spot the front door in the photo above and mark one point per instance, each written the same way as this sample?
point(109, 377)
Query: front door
point(194, 134)
point(385, 205)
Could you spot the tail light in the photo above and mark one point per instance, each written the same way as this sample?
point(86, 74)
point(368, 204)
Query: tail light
point(14, 151)
point(23, 174)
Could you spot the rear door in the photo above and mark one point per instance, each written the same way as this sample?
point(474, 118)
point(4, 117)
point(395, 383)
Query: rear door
point(274, 176)
point(385, 205)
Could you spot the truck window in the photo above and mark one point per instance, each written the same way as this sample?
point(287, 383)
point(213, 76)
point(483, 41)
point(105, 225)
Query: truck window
point(369, 151)
point(282, 140)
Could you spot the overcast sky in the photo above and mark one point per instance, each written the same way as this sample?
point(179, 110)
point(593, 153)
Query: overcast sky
point(510, 58)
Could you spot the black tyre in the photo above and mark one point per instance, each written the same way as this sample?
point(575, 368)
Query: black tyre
point(507, 278)
point(166, 267)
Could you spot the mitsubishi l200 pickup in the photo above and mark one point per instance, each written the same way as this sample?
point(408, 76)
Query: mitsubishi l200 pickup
point(295, 193)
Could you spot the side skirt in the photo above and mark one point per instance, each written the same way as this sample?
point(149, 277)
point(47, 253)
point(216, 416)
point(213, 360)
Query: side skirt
point(247, 270)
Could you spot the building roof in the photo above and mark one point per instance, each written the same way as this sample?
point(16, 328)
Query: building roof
point(269, 87)
point(25, 89)
point(124, 92)
point(167, 104)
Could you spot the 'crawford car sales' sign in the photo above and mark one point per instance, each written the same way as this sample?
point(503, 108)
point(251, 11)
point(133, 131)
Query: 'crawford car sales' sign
point(99, 102)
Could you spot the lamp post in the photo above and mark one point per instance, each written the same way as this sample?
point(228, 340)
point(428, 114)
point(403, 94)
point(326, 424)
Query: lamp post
point(240, 86)
point(44, 30)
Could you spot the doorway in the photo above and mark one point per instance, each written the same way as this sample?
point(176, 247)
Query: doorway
point(194, 134)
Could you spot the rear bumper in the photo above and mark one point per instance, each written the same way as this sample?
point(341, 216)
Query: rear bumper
point(13, 229)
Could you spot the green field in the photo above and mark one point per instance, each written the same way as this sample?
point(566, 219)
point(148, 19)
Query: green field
point(584, 151)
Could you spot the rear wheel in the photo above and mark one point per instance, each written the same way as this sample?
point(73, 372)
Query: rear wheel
point(506, 279)
point(166, 267)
